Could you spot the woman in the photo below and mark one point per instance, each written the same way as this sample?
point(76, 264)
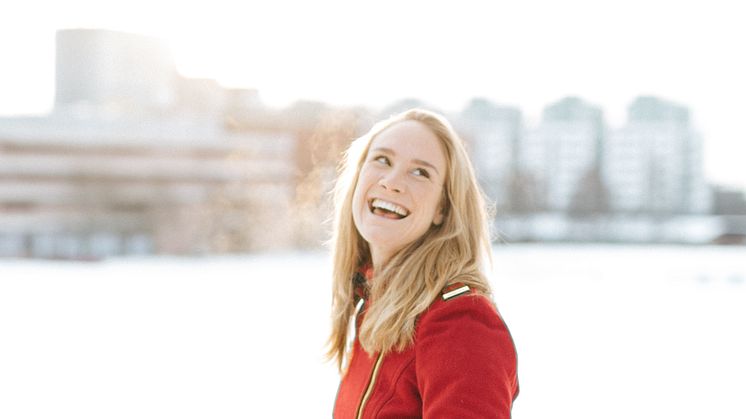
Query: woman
point(410, 238)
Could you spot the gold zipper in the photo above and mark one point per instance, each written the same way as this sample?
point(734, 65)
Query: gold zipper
point(371, 383)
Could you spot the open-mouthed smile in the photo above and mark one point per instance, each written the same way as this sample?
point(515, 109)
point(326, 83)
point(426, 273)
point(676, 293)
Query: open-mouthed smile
point(387, 209)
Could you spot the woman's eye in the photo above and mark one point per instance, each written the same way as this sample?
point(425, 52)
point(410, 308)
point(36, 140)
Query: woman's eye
point(382, 159)
point(421, 172)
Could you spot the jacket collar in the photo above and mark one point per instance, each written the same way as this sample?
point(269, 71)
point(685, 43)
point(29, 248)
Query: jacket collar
point(363, 274)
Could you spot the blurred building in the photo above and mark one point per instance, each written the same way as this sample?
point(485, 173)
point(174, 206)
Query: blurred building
point(106, 71)
point(728, 201)
point(94, 188)
point(654, 163)
point(109, 74)
point(563, 154)
point(201, 98)
point(492, 134)
point(136, 159)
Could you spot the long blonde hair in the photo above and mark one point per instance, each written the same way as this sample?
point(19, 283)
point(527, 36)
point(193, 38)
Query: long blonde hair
point(453, 251)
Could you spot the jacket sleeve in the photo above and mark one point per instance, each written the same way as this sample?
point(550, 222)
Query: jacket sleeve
point(465, 360)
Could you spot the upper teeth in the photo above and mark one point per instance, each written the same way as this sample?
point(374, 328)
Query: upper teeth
point(379, 203)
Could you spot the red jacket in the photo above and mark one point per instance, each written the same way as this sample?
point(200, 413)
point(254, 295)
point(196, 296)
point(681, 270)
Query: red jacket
point(462, 364)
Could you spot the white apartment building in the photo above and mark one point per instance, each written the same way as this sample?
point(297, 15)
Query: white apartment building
point(654, 163)
point(562, 150)
point(492, 134)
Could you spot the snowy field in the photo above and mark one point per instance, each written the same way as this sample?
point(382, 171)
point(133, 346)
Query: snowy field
point(601, 331)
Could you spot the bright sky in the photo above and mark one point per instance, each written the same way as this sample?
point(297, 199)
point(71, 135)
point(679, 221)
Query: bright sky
point(523, 53)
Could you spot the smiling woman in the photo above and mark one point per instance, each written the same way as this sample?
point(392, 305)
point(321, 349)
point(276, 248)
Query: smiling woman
point(410, 240)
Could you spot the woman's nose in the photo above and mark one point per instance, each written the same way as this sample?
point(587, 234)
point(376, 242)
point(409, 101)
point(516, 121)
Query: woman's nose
point(392, 181)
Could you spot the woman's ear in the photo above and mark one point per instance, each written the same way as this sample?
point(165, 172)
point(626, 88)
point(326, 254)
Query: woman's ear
point(439, 213)
point(438, 219)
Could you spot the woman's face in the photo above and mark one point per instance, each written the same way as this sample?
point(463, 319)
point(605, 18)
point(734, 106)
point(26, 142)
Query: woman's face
point(399, 191)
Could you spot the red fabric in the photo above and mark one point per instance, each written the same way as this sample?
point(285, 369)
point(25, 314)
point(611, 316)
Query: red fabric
point(461, 365)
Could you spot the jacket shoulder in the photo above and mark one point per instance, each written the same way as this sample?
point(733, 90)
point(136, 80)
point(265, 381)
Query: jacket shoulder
point(461, 343)
point(461, 302)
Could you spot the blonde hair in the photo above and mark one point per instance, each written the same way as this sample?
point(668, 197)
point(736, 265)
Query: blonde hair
point(453, 251)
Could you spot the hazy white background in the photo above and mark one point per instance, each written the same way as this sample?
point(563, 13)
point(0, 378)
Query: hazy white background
point(526, 54)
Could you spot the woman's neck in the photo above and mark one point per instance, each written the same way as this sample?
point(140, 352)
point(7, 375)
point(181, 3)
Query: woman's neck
point(378, 258)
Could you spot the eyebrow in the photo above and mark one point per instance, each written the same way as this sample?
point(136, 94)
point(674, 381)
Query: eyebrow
point(418, 161)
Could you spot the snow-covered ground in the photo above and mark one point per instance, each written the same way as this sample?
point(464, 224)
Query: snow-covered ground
point(601, 332)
